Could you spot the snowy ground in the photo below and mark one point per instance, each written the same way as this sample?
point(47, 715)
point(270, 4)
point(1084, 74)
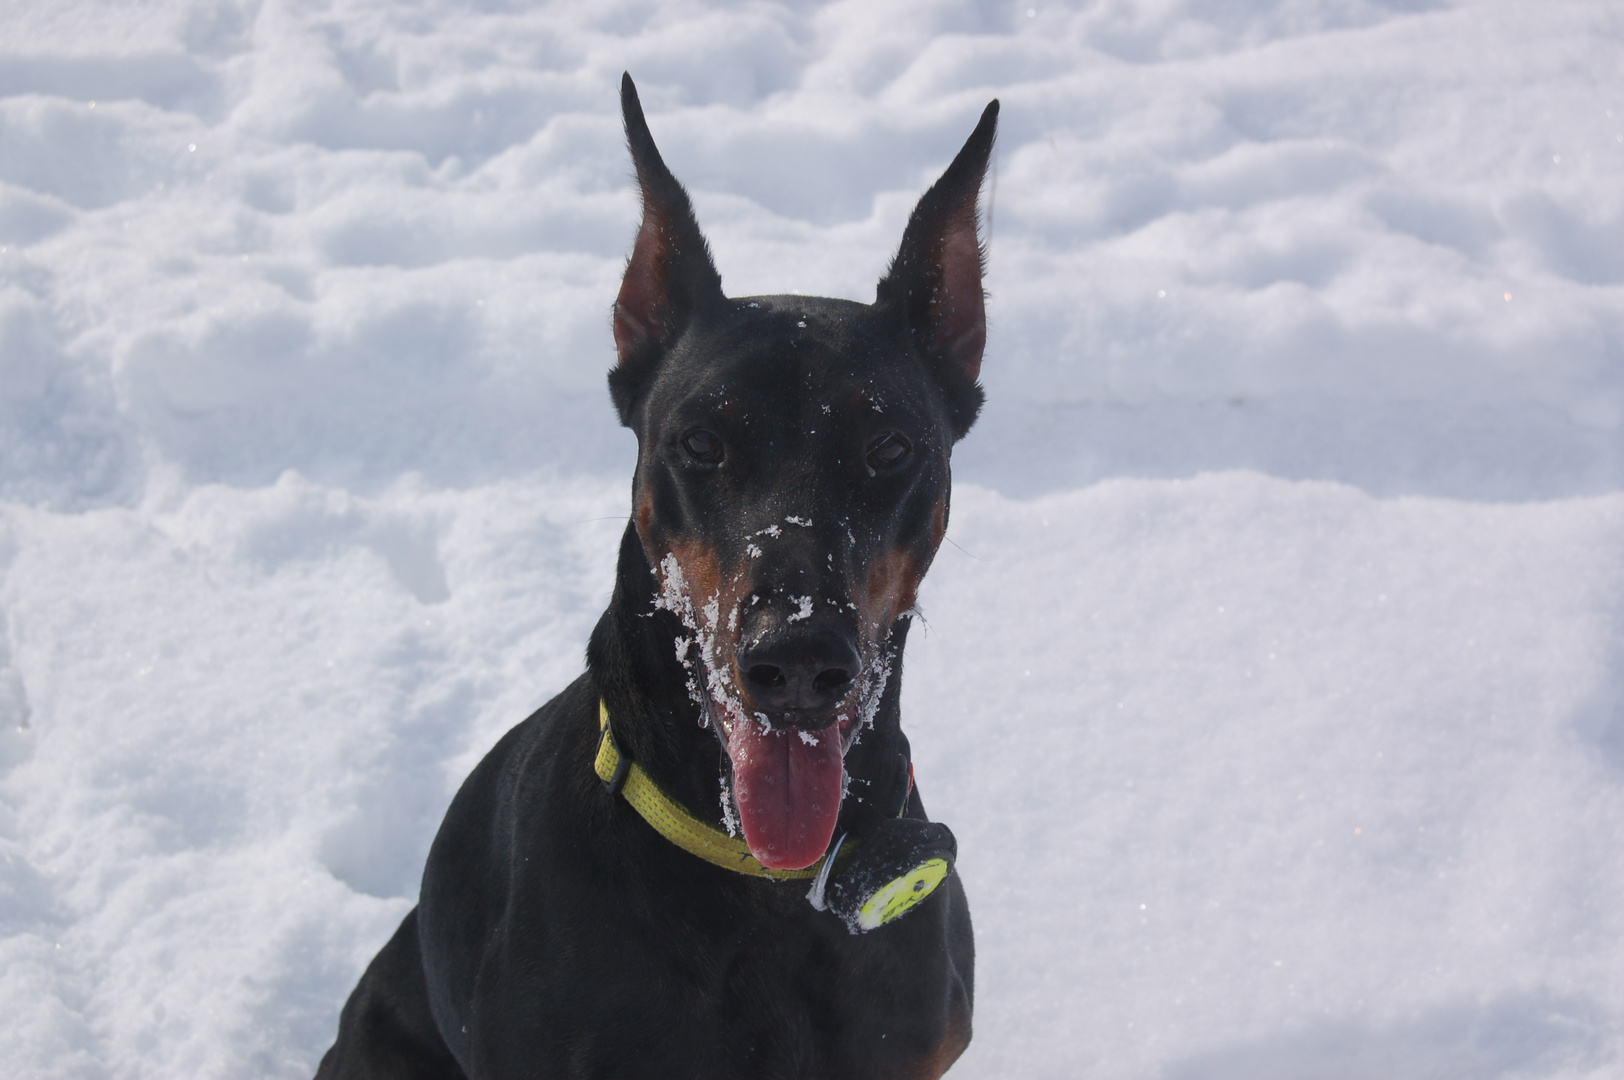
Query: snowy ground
point(1274, 683)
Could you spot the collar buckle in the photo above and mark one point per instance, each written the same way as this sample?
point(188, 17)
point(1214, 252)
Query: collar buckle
point(607, 747)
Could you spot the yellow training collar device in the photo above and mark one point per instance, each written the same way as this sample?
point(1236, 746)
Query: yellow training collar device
point(902, 861)
point(896, 897)
point(675, 823)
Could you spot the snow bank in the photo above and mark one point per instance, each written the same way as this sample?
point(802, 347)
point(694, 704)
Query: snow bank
point(1286, 781)
point(1272, 686)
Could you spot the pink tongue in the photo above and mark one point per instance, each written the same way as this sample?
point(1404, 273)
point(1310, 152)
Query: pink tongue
point(788, 790)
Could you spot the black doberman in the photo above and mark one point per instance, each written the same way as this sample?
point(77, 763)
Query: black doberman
point(589, 908)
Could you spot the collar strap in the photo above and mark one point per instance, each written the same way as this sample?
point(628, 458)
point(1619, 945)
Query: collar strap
point(670, 819)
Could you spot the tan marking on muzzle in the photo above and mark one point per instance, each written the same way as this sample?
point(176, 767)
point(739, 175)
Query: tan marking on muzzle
point(644, 517)
point(702, 568)
point(891, 589)
point(715, 591)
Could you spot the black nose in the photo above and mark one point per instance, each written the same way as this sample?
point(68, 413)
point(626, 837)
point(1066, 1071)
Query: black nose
point(799, 673)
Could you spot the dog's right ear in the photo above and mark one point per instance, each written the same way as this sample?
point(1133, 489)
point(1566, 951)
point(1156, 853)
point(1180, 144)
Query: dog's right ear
point(670, 277)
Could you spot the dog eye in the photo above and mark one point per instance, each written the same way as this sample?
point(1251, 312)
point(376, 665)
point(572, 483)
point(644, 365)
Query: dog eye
point(704, 446)
point(887, 451)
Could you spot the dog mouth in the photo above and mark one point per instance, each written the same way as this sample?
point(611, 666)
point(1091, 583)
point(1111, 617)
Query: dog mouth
point(788, 777)
point(788, 784)
point(787, 763)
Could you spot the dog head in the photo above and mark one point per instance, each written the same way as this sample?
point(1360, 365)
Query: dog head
point(792, 480)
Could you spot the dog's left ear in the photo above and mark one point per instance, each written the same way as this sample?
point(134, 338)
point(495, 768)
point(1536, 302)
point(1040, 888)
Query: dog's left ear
point(669, 278)
point(935, 280)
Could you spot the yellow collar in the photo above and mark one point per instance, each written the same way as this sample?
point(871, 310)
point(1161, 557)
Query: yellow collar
point(672, 821)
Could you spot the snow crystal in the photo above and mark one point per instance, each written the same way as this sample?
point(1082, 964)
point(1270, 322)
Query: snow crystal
point(730, 819)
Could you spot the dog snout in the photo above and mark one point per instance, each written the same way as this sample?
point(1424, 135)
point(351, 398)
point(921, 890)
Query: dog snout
point(798, 674)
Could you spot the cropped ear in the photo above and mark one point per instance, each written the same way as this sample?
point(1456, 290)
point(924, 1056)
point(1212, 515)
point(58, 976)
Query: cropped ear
point(935, 279)
point(670, 276)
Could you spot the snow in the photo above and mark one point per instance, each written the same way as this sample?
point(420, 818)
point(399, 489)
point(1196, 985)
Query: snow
point(1271, 681)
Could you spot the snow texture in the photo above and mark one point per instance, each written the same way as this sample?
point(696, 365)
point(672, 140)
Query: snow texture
point(1273, 681)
